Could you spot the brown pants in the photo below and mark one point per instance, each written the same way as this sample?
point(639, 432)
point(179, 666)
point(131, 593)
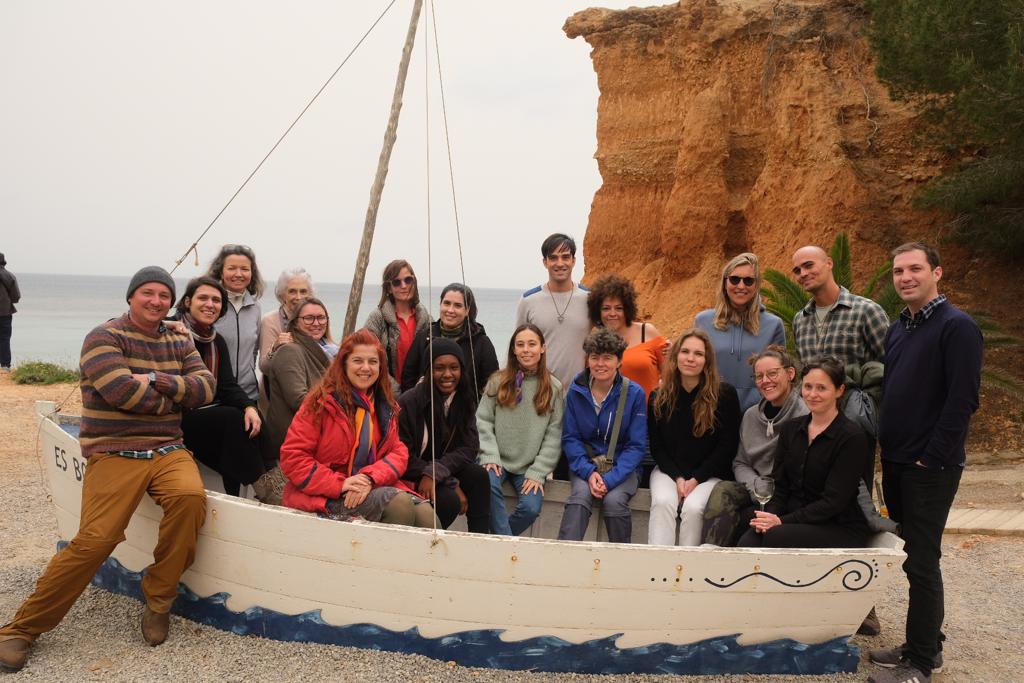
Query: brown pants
point(112, 489)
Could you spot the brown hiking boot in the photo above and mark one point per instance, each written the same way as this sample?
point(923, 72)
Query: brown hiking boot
point(154, 626)
point(14, 654)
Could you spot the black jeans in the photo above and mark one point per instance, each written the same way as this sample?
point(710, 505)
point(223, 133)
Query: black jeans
point(5, 340)
point(919, 499)
point(806, 536)
point(476, 485)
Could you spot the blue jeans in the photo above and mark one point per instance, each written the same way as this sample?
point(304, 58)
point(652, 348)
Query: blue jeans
point(526, 510)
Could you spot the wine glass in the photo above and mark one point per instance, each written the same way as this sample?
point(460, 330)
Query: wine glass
point(764, 488)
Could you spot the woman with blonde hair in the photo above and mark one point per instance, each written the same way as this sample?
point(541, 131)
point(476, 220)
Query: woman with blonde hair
point(693, 425)
point(739, 325)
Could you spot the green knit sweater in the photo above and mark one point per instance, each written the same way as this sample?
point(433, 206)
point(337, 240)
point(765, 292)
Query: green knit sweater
point(519, 439)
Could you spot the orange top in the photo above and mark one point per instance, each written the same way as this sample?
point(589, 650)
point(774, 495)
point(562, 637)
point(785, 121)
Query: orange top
point(642, 363)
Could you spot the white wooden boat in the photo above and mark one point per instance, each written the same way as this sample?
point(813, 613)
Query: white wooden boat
point(492, 601)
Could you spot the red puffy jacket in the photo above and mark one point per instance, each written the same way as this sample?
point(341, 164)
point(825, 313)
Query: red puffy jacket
point(314, 458)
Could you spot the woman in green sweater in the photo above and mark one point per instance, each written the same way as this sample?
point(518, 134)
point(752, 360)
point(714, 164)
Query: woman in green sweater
point(520, 425)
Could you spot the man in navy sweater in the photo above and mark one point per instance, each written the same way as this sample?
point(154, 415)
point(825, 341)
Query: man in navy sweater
point(933, 359)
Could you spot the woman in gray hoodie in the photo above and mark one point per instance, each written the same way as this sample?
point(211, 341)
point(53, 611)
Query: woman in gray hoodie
point(731, 505)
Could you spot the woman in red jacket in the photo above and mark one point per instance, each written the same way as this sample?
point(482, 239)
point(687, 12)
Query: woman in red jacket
point(342, 456)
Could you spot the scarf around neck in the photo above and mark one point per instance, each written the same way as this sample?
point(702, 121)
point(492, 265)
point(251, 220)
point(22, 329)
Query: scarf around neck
point(203, 337)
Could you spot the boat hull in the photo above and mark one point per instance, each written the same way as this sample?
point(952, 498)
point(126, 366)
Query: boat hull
point(499, 602)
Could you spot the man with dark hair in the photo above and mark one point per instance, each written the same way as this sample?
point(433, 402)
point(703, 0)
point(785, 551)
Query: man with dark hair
point(9, 295)
point(933, 372)
point(136, 378)
point(559, 309)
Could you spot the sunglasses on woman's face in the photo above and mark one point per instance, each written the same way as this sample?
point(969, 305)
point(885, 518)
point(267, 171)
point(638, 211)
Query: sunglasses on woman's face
point(407, 281)
point(736, 279)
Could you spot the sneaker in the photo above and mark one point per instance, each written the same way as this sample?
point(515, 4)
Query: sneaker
point(904, 673)
point(893, 657)
point(870, 626)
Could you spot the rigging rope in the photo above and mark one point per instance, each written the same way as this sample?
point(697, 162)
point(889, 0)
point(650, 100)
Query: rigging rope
point(195, 244)
point(430, 266)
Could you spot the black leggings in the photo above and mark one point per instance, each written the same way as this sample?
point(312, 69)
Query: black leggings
point(217, 438)
point(806, 536)
point(475, 483)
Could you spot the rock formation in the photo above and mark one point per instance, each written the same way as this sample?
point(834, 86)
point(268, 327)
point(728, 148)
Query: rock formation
point(742, 125)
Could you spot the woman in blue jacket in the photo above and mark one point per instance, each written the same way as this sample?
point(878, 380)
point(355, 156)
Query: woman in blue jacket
point(604, 436)
point(739, 326)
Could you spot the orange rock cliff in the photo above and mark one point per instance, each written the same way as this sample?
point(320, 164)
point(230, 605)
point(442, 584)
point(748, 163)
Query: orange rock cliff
point(742, 125)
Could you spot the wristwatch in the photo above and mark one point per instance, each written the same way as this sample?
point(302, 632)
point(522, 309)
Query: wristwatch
point(152, 378)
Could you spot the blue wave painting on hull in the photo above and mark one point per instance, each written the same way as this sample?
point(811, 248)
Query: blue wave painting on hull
point(484, 648)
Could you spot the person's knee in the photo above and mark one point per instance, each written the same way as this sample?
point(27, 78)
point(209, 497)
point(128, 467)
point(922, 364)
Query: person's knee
point(531, 504)
point(616, 505)
point(496, 483)
point(424, 516)
point(399, 510)
point(186, 505)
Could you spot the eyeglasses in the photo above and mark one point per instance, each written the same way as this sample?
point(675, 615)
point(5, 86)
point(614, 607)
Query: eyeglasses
point(310, 319)
point(407, 281)
point(736, 279)
point(768, 375)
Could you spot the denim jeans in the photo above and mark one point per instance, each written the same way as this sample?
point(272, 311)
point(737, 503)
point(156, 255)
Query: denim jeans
point(618, 518)
point(919, 499)
point(526, 510)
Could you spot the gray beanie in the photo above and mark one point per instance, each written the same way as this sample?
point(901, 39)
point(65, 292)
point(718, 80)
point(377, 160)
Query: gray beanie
point(151, 274)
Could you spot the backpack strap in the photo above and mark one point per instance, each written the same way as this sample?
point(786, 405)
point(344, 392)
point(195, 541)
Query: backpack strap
point(621, 408)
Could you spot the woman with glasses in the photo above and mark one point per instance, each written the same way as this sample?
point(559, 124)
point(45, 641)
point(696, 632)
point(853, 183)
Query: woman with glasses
point(731, 506)
point(235, 268)
point(456, 321)
point(693, 425)
point(820, 460)
point(399, 315)
point(739, 325)
point(222, 434)
point(295, 369)
point(611, 304)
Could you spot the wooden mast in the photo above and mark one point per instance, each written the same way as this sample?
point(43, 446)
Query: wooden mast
point(363, 258)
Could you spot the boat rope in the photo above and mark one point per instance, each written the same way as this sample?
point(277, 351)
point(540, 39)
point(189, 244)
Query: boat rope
point(430, 272)
point(194, 247)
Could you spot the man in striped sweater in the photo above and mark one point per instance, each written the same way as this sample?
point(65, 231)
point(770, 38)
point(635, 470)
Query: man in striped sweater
point(136, 378)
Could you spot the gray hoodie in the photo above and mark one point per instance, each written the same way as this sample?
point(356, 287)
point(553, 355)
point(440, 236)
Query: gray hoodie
point(758, 437)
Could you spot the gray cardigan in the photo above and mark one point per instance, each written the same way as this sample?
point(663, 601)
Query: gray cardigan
point(756, 455)
point(241, 330)
point(383, 322)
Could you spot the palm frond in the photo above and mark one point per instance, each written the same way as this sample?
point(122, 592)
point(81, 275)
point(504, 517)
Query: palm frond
point(842, 262)
point(998, 378)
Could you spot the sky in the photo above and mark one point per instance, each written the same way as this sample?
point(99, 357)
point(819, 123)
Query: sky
point(128, 125)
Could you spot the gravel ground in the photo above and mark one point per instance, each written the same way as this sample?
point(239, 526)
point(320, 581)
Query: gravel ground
point(100, 640)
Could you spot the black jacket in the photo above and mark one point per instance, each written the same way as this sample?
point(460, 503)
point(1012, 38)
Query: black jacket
point(678, 453)
point(817, 483)
point(480, 356)
point(455, 446)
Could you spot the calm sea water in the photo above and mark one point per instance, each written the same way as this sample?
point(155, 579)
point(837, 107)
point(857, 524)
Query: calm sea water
point(56, 312)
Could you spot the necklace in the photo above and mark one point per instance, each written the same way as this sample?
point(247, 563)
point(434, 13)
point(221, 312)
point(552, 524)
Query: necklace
point(561, 314)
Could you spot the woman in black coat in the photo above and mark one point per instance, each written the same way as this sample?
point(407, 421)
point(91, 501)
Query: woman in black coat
point(222, 434)
point(820, 461)
point(442, 451)
point(457, 321)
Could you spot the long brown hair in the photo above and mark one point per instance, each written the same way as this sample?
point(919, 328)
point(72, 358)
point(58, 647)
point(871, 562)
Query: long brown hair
point(335, 380)
point(391, 271)
point(725, 313)
point(506, 390)
point(708, 387)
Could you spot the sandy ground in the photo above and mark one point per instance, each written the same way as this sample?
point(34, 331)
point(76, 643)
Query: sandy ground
point(99, 639)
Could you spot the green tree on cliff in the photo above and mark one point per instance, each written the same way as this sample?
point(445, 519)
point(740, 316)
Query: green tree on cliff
point(963, 61)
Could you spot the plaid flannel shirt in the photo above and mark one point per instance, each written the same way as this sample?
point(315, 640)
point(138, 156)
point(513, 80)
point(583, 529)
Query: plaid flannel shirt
point(854, 330)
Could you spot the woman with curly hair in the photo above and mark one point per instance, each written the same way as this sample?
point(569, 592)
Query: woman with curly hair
point(694, 420)
point(235, 267)
point(342, 456)
point(612, 304)
point(739, 325)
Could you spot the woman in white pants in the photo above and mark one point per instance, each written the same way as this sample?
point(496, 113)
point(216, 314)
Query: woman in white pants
point(693, 425)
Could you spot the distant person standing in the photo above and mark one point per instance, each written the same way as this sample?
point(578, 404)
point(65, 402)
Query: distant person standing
point(235, 268)
point(137, 377)
point(933, 372)
point(559, 308)
point(9, 295)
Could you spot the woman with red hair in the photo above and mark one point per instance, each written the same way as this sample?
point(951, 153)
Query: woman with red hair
point(342, 457)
